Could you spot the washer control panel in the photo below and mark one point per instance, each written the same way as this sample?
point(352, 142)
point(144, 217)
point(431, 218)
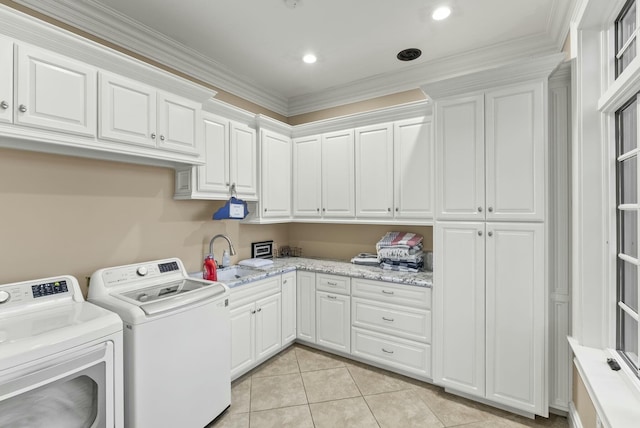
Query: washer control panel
point(126, 274)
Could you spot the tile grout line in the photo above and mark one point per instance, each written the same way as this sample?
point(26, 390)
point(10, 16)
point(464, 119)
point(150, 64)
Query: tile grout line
point(363, 397)
point(304, 388)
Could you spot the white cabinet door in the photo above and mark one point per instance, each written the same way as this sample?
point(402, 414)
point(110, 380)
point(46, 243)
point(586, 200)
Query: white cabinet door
point(127, 111)
point(338, 174)
point(242, 338)
point(268, 325)
point(54, 92)
point(276, 174)
point(214, 175)
point(288, 307)
point(515, 153)
point(460, 158)
point(6, 80)
point(515, 305)
point(178, 124)
point(307, 183)
point(413, 169)
point(333, 321)
point(244, 164)
point(459, 307)
point(374, 171)
point(306, 306)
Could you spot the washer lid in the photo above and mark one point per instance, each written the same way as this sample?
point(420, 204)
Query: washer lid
point(172, 295)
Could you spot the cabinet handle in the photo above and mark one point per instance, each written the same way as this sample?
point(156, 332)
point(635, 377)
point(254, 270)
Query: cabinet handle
point(331, 297)
point(490, 209)
point(490, 233)
point(385, 351)
point(4, 105)
point(161, 137)
point(388, 319)
point(22, 108)
point(153, 135)
point(479, 233)
point(387, 292)
point(479, 209)
point(333, 284)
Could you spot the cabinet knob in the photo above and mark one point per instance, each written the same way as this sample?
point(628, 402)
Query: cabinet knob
point(479, 233)
point(490, 209)
point(490, 233)
point(22, 108)
point(479, 209)
point(265, 210)
point(4, 105)
point(397, 209)
point(227, 184)
point(323, 210)
point(318, 209)
point(153, 135)
point(388, 209)
point(161, 137)
point(284, 281)
point(259, 309)
point(253, 312)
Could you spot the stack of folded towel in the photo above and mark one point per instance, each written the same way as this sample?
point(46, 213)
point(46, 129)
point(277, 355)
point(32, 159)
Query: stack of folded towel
point(366, 259)
point(401, 251)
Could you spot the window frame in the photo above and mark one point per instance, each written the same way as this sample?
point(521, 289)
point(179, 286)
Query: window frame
point(620, 258)
point(621, 48)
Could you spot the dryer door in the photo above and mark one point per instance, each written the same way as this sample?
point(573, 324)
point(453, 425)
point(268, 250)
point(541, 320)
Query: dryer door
point(69, 389)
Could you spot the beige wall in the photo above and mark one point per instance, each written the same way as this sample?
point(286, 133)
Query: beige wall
point(66, 215)
point(343, 241)
point(362, 106)
point(582, 402)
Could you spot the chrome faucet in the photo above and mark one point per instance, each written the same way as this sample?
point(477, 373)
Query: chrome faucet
point(232, 251)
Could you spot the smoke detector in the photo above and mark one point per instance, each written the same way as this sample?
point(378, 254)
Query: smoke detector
point(292, 4)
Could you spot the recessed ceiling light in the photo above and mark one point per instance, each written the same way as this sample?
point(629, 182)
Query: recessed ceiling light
point(409, 54)
point(441, 13)
point(309, 58)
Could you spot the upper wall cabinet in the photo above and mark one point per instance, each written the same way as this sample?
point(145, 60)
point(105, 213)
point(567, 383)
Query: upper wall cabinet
point(490, 151)
point(6, 81)
point(394, 173)
point(230, 156)
point(307, 185)
point(275, 184)
point(54, 92)
point(374, 171)
point(337, 174)
point(131, 112)
point(413, 169)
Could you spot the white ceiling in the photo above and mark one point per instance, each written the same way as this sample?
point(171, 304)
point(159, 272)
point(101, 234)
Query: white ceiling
point(253, 48)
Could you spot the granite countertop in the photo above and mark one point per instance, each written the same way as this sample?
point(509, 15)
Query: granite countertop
point(288, 264)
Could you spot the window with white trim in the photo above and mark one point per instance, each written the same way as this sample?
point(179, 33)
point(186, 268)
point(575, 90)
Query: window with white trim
point(626, 40)
point(628, 212)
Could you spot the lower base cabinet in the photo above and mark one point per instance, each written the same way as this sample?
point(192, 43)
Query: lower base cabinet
point(333, 323)
point(288, 307)
point(306, 306)
point(256, 324)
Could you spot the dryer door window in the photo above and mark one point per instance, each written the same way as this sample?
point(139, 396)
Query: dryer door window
point(66, 390)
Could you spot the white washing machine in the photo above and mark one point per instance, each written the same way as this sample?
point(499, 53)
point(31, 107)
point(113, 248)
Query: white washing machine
point(177, 342)
point(60, 358)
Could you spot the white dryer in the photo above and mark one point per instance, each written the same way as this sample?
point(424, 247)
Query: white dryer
point(177, 342)
point(60, 357)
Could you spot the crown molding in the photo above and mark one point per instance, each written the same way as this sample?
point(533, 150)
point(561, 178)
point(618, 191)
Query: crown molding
point(515, 72)
point(270, 124)
point(229, 112)
point(105, 23)
point(560, 20)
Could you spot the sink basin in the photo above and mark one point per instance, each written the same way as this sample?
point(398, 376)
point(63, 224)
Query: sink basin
point(232, 273)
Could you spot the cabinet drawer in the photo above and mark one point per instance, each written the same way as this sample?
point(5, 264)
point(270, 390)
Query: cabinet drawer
point(399, 294)
point(399, 353)
point(410, 323)
point(253, 291)
point(333, 283)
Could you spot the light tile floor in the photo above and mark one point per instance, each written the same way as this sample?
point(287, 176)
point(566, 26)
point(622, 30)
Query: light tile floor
point(303, 387)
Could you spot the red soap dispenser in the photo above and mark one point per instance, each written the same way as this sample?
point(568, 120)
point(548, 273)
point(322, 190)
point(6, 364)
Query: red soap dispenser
point(209, 269)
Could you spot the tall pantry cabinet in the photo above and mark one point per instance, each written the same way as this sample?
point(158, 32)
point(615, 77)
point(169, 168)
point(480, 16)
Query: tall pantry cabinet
point(489, 245)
